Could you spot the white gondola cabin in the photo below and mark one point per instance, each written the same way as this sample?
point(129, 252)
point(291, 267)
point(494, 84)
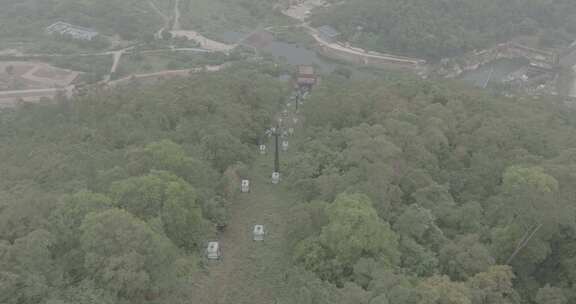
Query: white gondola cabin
point(258, 233)
point(285, 145)
point(213, 251)
point(275, 177)
point(262, 149)
point(245, 186)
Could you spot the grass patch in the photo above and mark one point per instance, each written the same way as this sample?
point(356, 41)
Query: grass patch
point(216, 16)
point(154, 62)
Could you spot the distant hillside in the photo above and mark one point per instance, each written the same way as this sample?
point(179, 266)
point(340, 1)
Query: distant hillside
point(129, 18)
point(438, 28)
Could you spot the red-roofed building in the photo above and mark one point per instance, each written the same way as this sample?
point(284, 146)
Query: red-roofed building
point(306, 76)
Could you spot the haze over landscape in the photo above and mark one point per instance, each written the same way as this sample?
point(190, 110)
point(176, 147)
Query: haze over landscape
point(287, 151)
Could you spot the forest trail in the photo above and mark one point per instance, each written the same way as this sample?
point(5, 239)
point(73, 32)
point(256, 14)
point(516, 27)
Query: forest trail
point(251, 272)
point(176, 25)
point(158, 34)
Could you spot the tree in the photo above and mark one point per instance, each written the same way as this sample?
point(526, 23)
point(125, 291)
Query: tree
point(414, 222)
point(437, 199)
point(530, 207)
point(381, 299)
point(182, 216)
point(29, 273)
point(169, 156)
point(550, 295)
point(161, 194)
point(440, 290)
point(124, 256)
point(353, 231)
point(493, 286)
point(225, 149)
point(417, 259)
point(465, 257)
point(71, 211)
point(142, 196)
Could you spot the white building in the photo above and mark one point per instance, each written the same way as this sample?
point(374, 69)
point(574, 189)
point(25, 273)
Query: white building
point(72, 31)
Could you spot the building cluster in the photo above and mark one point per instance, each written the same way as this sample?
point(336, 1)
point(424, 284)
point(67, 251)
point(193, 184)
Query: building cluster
point(306, 77)
point(73, 31)
point(538, 76)
point(328, 33)
point(538, 59)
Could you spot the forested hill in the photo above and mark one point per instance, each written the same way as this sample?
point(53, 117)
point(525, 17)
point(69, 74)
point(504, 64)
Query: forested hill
point(425, 193)
point(28, 18)
point(442, 28)
point(109, 198)
point(407, 192)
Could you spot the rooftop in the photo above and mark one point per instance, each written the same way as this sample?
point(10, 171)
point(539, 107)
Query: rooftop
point(328, 31)
point(306, 70)
point(67, 28)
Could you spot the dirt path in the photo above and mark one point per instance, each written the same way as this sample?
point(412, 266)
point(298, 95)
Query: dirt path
point(167, 73)
point(251, 272)
point(573, 87)
point(176, 26)
point(204, 42)
point(301, 12)
point(158, 34)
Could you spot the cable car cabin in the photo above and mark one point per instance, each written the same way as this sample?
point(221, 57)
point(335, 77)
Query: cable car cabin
point(245, 186)
point(306, 77)
point(258, 233)
point(213, 251)
point(262, 149)
point(285, 145)
point(275, 177)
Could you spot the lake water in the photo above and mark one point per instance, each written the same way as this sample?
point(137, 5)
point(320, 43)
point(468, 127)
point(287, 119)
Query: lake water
point(291, 53)
point(496, 70)
point(296, 55)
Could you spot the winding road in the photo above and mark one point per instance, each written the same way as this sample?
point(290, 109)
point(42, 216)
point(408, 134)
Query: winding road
point(204, 42)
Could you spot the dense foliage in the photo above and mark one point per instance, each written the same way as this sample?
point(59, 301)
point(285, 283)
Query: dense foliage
point(28, 18)
point(402, 192)
point(427, 193)
point(434, 29)
point(110, 197)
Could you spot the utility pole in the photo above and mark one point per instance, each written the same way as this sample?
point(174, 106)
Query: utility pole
point(298, 100)
point(277, 150)
point(276, 172)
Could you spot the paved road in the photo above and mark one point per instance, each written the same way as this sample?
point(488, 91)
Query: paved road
point(300, 12)
point(361, 52)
